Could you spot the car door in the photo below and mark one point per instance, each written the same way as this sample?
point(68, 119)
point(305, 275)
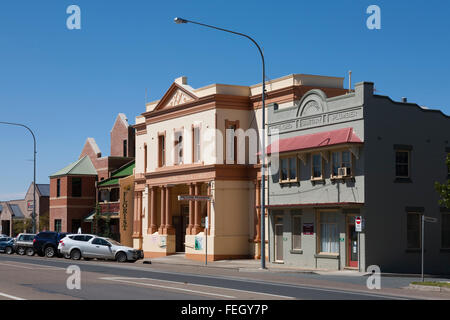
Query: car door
point(101, 249)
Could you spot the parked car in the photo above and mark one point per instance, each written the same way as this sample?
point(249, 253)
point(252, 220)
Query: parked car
point(24, 244)
point(46, 243)
point(7, 245)
point(90, 246)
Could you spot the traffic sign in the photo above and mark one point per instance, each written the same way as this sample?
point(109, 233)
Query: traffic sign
point(358, 224)
point(429, 219)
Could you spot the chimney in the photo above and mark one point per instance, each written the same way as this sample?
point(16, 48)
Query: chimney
point(181, 80)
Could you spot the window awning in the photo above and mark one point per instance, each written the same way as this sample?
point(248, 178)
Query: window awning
point(315, 140)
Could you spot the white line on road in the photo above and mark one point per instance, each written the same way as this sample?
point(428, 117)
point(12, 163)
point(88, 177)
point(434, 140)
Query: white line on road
point(10, 296)
point(199, 285)
point(165, 287)
point(32, 266)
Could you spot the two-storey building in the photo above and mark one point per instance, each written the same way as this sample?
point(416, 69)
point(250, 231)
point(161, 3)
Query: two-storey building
point(357, 155)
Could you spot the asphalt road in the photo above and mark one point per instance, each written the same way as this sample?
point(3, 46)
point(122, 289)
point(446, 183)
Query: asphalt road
point(40, 278)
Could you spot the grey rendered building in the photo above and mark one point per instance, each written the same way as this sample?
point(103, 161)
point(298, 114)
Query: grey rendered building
point(357, 155)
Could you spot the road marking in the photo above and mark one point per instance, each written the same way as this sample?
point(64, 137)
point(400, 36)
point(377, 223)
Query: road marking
point(194, 284)
point(34, 267)
point(166, 287)
point(10, 296)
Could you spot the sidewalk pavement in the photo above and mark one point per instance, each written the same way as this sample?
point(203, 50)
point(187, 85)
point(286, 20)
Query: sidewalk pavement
point(247, 265)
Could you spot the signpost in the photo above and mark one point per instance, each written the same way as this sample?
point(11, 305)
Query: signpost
point(425, 219)
point(359, 229)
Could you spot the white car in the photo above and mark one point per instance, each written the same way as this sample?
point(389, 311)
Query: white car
point(89, 246)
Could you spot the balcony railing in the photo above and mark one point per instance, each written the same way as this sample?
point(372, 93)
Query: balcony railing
point(106, 207)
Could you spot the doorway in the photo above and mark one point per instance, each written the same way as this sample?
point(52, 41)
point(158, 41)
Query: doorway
point(352, 246)
point(180, 224)
point(278, 226)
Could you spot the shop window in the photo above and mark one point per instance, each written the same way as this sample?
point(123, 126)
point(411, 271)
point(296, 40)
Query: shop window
point(329, 236)
point(413, 230)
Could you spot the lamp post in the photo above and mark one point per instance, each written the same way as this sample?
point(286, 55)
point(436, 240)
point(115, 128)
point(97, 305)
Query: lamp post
point(263, 138)
point(33, 215)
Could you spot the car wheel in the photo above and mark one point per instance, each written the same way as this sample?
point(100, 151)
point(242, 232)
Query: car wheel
point(9, 250)
point(21, 251)
point(50, 252)
point(66, 256)
point(121, 257)
point(75, 254)
point(29, 252)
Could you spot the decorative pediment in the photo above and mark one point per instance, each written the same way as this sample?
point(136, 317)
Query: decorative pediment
point(175, 96)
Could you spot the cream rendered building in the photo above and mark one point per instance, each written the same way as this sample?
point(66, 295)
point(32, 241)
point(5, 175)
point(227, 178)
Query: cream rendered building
point(193, 142)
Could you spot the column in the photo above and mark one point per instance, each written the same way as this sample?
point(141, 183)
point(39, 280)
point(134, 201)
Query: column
point(152, 210)
point(191, 211)
point(137, 226)
point(169, 228)
point(163, 210)
point(196, 228)
point(258, 211)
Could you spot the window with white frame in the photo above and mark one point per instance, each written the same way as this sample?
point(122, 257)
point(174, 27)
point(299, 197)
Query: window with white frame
point(402, 159)
point(196, 144)
point(329, 236)
point(178, 147)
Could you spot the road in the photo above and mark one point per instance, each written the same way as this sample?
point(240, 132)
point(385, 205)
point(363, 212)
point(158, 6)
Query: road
point(40, 278)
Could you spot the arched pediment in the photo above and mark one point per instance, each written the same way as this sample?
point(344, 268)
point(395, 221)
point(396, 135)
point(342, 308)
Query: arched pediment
point(313, 102)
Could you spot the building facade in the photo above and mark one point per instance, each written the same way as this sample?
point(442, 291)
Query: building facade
point(203, 143)
point(20, 211)
point(357, 155)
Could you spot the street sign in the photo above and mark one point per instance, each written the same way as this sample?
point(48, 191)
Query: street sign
point(194, 198)
point(358, 224)
point(429, 219)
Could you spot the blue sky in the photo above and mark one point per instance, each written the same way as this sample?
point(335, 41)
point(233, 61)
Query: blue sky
point(68, 85)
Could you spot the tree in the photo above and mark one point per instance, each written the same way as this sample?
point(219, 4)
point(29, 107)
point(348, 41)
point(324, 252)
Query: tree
point(444, 189)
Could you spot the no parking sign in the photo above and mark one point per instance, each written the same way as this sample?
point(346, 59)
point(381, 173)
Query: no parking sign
point(358, 224)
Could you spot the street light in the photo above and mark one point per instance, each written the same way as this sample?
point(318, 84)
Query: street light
point(33, 215)
point(263, 151)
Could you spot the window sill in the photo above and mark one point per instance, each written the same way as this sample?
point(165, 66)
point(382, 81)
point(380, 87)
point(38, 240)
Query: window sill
point(318, 180)
point(324, 255)
point(402, 180)
point(296, 251)
point(289, 183)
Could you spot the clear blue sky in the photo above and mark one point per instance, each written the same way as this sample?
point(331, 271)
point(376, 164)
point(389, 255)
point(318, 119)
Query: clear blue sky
point(70, 85)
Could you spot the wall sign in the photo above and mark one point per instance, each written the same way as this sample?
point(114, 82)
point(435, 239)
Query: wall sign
point(308, 229)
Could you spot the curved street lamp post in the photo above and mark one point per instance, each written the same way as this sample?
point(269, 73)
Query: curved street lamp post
point(33, 215)
point(263, 138)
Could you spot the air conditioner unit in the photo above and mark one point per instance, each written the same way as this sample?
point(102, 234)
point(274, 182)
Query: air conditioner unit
point(344, 172)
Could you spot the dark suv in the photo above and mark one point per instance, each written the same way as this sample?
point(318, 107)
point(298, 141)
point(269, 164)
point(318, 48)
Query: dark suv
point(46, 243)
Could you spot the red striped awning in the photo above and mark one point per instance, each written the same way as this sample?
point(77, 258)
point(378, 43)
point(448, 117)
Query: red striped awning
point(315, 140)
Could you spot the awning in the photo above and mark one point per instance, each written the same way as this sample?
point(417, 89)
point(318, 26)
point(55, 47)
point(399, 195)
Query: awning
point(315, 140)
point(112, 215)
point(108, 182)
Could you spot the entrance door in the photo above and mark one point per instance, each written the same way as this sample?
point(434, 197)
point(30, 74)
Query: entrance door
point(352, 246)
point(180, 223)
point(278, 242)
